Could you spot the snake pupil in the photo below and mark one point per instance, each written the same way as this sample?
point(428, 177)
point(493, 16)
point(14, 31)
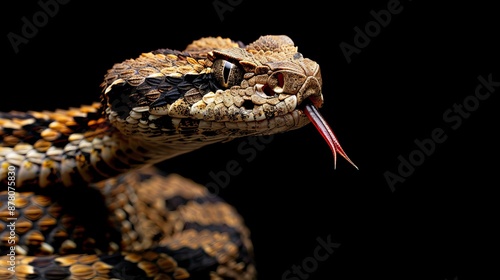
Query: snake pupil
point(226, 72)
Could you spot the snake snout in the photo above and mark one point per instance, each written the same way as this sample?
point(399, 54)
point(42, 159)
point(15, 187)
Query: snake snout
point(311, 90)
point(302, 80)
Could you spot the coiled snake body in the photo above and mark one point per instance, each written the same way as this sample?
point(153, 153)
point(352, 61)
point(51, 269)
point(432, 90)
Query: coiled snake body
point(80, 198)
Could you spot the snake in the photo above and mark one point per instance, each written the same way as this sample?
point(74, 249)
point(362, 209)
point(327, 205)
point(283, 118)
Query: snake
point(82, 196)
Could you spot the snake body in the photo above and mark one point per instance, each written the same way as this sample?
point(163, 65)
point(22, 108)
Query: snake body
point(85, 200)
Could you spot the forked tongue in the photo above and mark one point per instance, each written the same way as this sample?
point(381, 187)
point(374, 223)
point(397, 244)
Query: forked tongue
point(327, 133)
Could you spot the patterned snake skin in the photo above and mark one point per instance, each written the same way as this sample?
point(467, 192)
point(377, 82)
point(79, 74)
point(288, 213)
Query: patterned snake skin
point(80, 198)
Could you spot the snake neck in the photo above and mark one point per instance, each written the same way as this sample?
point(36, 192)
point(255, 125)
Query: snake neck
point(110, 154)
point(74, 147)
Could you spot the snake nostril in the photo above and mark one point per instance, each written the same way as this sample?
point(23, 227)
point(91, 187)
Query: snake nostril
point(248, 104)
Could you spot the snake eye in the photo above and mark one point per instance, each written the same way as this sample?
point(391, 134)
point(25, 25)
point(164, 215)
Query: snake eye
point(226, 73)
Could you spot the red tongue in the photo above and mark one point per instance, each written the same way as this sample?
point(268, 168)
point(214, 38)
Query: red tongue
point(327, 133)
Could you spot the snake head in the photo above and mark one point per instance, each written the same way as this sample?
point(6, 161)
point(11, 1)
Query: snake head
point(273, 83)
point(261, 86)
point(216, 90)
point(268, 71)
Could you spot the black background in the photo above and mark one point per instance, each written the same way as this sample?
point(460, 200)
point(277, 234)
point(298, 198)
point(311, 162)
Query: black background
point(437, 224)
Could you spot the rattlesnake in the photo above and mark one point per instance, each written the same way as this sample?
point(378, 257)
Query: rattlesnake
point(80, 197)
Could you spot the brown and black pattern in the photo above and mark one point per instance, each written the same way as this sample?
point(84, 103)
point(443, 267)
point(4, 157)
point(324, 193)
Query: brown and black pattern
point(89, 204)
point(194, 234)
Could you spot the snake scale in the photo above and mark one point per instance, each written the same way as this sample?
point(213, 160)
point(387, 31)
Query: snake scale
point(81, 198)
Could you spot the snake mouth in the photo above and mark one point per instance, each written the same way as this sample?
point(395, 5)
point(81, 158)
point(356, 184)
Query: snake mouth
point(305, 103)
point(277, 98)
point(308, 100)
